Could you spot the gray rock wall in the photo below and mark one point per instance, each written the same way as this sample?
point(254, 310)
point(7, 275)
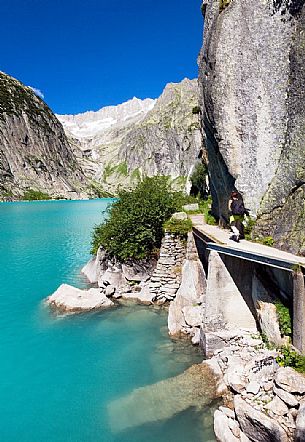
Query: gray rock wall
point(168, 140)
point(166, 278)
point(252, 96)
point(34, 152)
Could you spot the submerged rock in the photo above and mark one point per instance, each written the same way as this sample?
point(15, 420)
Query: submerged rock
point(196, 387)
point(70, 299)
point(144, 296)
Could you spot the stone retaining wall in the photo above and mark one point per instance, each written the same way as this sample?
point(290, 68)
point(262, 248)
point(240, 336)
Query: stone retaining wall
point(166, 278)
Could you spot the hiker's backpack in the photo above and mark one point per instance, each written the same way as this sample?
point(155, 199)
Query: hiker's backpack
point(237, 207)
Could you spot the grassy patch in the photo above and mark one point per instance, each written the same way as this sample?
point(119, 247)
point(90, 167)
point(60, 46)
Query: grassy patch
point(265, 240)
point(250, 223)
point(284, 318)
point(178, 227)
point(136, 175)
point(32, 195)
point(205, 208)
point(288, 357)
point(97, 191)
point(120, 169)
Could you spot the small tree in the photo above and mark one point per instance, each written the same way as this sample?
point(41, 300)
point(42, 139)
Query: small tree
point(198, 180)
point(134, 224)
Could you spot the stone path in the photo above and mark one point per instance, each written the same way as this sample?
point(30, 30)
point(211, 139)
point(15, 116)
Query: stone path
point(221, 237)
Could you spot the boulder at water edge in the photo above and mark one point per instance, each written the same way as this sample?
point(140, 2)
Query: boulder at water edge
point(70, 299)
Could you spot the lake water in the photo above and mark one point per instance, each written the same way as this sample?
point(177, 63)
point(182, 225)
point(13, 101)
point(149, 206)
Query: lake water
point(58, 375)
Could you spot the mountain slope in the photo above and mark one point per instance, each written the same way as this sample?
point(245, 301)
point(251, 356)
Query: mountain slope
point(34, 151)
point(122, 143)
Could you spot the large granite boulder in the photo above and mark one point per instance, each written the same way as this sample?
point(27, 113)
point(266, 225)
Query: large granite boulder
point(222, 429)
point(290, 380)
point(185, 306)
point(257, 425)
point(269, 323)
point(252, 82)
point(69, 299)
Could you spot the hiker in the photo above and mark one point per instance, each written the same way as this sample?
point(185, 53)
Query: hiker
point(237, 215)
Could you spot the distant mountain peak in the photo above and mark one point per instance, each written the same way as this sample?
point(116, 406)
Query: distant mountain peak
point(92, 123)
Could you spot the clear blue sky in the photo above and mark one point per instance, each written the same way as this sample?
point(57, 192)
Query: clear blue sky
point(87, 54)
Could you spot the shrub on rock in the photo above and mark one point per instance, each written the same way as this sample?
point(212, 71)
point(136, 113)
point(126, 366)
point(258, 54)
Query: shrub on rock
point(134, 226)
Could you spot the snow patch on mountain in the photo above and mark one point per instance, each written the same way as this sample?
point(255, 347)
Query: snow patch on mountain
point(90, 124)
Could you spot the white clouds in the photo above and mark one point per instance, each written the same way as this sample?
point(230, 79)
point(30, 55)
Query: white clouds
point(37, 91)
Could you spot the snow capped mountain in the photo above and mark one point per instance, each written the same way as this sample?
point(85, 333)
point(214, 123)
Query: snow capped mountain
point(118, 145)
point(90, 124)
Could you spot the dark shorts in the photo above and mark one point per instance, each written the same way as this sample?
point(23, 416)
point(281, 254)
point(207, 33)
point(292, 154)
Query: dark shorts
point(240, 227)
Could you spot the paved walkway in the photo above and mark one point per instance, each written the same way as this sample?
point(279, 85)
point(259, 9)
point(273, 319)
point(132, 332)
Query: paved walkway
point(244, 248)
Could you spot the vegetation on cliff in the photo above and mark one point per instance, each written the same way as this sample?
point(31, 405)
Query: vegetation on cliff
point(134, 227)
point(33, 195)
point(179, 227)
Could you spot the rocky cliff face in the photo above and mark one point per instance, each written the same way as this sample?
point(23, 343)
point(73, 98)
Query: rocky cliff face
point(122, 143)
point(34, 151)
point(252, 85)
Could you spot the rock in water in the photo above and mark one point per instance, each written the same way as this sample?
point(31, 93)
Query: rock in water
point(91, 270)
point(34, 150)
point(222, 429)
point(195, 387)
point(69, 299)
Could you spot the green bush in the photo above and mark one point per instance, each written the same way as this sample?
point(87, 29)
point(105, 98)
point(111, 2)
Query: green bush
point(205, 208)
point(198, 179)
point(134, 226)
point(178, 226)
point(284, 318)
point(250, 223)
point(196, 110)
point(96, 190)
point(265, 240)
point(31, 195)
point(223, 4)
point(291, 358)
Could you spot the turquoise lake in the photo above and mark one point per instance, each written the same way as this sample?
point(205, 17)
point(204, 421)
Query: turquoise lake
point(58, 375)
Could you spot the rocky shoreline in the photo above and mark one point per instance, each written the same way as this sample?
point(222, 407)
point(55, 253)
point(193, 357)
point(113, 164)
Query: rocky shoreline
point(265, 402)
point(261, 400)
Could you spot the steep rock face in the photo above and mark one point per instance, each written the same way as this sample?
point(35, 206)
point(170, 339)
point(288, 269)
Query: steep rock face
point(34, 151)
point(140, 137)
point(168, 140)
point(252, 96)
